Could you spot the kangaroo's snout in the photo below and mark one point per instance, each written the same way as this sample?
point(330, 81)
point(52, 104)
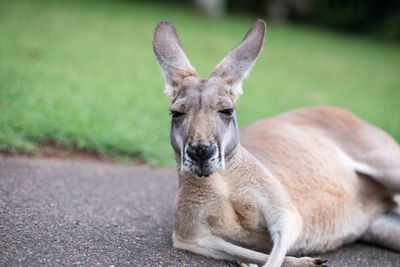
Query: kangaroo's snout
point(201, 158)
point(201, 151)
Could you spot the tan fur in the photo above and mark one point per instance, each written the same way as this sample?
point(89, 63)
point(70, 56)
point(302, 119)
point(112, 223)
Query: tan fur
point(306, 181)
point(326, 191)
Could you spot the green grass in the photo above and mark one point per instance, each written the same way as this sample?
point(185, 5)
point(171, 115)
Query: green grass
point(82, 74)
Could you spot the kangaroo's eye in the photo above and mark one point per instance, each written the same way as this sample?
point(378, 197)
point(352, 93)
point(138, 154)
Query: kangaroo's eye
point(176, 114)
point(227, 111)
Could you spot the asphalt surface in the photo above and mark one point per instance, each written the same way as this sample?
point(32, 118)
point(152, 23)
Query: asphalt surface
point(63, 212)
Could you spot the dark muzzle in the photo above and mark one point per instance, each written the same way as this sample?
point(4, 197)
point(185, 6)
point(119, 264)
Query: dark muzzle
point(201, 152)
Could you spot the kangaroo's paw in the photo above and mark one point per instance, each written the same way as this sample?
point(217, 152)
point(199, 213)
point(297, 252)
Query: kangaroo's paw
point(305, 262)
point(248, 265)
point(296, 262)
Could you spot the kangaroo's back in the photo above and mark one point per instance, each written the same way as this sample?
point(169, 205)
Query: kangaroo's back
point(368, 149)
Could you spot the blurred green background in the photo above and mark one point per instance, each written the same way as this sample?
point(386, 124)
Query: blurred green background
point(82, 75)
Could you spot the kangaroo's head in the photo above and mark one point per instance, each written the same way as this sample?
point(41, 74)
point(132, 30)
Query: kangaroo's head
point(204, 130)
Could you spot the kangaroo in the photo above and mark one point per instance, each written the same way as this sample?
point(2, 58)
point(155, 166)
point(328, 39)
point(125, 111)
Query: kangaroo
point(306, 181)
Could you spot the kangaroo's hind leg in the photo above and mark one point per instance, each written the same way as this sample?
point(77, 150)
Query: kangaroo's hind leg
point(372, 151)
point(382, 165)
point(385, 231)
point(376, 154)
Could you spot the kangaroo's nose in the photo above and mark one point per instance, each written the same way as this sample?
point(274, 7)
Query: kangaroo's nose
point(200, 151)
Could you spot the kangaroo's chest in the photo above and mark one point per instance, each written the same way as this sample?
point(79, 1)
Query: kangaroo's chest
point(241, 223)
point(234, 217)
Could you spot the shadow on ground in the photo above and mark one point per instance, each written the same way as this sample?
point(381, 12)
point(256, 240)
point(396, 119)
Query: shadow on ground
point(58, 212)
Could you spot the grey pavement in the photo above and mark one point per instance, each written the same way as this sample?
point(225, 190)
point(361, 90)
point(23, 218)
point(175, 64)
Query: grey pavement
point(63, 212)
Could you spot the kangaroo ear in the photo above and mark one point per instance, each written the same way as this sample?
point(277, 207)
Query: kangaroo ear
point(173, 62)
point(237, 64)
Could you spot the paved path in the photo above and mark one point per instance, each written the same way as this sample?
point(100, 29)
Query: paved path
point(58, 212)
